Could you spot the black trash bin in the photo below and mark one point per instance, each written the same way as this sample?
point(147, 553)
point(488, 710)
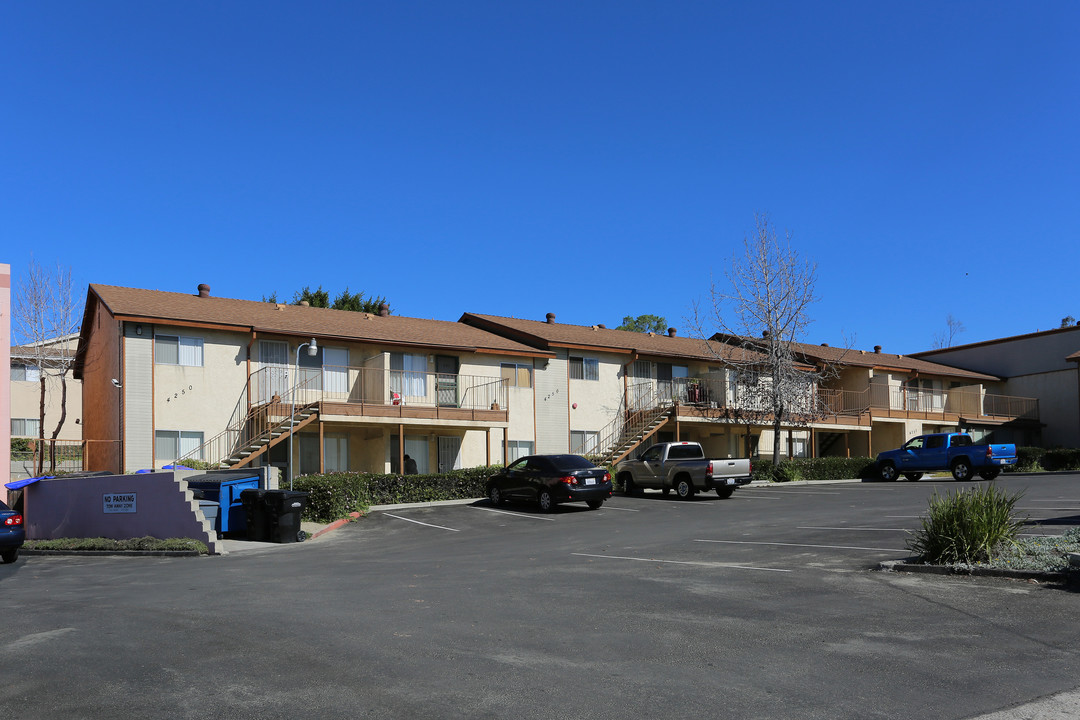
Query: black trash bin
point(258, 515)
point(285, 508)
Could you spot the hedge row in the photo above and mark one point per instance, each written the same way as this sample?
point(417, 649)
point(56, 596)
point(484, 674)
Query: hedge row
point(1035, 459)
point(823, 468)
point(335, 495)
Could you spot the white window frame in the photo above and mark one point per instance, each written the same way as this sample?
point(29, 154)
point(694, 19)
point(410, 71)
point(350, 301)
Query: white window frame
point(192, 345)
point(31, 427)
point(589, 368)
point(511, 374)
point(25, 372)
point(186, 441)
point(584, 441)
point(518, 449)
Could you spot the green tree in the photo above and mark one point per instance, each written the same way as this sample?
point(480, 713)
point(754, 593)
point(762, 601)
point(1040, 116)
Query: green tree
point(644, 323)
point(345, 300)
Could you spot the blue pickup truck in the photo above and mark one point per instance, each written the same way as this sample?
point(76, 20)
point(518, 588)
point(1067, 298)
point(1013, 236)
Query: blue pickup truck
point(945, 451)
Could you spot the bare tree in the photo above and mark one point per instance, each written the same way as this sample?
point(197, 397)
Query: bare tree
point(953, 327)
point(761, 317)
point(45, 315)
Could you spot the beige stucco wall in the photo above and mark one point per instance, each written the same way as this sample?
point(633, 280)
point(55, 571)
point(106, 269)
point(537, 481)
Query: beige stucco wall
point(201, 399)
point(26, 403)
point(598, 401)
point(1059, 404)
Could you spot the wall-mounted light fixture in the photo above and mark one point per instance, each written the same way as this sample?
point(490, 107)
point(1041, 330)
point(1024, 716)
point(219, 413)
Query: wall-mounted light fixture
point(138, 329)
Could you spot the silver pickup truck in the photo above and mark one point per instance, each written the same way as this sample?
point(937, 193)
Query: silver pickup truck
point(682, 467)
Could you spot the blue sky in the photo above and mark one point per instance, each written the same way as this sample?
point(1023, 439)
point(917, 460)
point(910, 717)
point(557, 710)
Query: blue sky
point(591, 159)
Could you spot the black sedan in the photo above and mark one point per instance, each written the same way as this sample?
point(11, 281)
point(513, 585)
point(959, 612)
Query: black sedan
point(12, 533)
point(551, 479)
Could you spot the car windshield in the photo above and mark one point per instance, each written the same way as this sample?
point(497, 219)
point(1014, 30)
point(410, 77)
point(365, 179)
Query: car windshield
point(568, 463)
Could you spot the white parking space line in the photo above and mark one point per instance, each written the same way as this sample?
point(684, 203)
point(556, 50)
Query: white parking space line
point(1043, 509)
point(867, 529)
point(793, 491)
point(440, 527)
point(681, 562)
point(827, 547)
point(512, 514)
point(609, 507)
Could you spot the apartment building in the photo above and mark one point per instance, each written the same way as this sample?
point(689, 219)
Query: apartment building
point(221, 382)
point(1043, 365)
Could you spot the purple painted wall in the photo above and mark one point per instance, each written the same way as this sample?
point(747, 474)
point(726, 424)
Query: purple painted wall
point(76, 507)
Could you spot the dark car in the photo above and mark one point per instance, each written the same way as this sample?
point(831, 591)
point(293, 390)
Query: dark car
point(551, 479)
point(12, 533)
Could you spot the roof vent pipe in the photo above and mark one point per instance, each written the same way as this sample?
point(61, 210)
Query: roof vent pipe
point(204, 290)
point(384, 310)
point(671, 332)
point(824, 344)
point(305, 303)
point(551, 318)
point(602, 326)
point(877, 349)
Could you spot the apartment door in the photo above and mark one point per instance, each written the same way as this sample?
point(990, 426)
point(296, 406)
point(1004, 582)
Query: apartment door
point(664, 391)
point(449, 453)
point(446, 381)
point(641, 388)
point(336, 372)
point(274, 377)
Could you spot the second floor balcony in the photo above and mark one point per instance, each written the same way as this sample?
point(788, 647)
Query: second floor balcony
point(720, 394)
point(378, 392)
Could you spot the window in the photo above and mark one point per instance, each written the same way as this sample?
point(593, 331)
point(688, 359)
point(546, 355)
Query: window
point(583, 442)
point(178, 350)
point(336, 452)
point(408, 374)
point(584, 368)
point(515, 375)
point(685, 452)
point(169, 445)
point(519, 449)
point(652, 454)
point(416, 447)
point(28, 427)
point(25, 373)
point(935, 441)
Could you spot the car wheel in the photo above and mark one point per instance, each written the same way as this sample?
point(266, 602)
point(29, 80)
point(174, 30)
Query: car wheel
point(913, 477)
point(630, 487)
point(495, 496)
point(10, 556)
point(594, 504)
point(989, 474)
point(684, 488)
point(888, 472)
point(725, 492)
point(546, 502)
point(961, 470)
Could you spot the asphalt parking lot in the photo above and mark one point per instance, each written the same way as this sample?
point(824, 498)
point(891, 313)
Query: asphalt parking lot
point(761, 606)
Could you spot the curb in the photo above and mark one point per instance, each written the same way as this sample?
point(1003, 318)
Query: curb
point(912, 566)
point(353, 517)
point(116, 553)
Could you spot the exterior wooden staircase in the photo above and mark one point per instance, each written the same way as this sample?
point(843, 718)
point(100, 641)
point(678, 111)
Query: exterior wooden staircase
point(271, 437)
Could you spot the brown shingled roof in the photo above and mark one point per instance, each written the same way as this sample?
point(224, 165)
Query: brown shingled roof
point(861, 358)
point(265, 317)
point(551, 335)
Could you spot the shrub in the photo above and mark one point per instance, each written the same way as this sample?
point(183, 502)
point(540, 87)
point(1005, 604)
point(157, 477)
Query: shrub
point(1061, 459)
point(334, 495)
point(1028, 459)
point(111, 545)
point(966, 527)
point(824, 468)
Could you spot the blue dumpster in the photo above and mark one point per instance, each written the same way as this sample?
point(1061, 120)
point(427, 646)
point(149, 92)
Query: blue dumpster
point(225, 487)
